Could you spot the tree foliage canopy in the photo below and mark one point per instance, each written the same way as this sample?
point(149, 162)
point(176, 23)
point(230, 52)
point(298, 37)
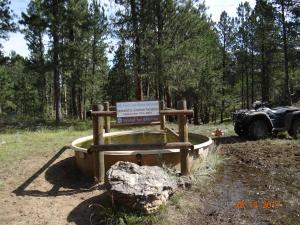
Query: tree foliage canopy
point(165, 49)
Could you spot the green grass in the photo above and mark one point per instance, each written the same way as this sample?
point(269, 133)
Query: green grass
point(104, 213)
point(18, 142)
point(203, 176)
point(207, 129)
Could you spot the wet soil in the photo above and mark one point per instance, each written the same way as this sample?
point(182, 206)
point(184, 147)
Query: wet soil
point(258, 183)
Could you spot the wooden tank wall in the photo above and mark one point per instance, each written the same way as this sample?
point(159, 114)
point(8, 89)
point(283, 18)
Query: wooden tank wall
point(172, 160)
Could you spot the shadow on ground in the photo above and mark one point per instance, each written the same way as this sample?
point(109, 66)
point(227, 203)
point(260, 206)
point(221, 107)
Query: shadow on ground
point(62, 175)
point(228, 140)
point(95, 210)
point(236, 139)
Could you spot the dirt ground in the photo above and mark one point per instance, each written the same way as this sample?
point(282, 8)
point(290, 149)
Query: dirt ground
point(258, 183)
point(48, 189)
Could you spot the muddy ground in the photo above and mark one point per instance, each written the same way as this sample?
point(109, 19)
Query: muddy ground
point(257, 183)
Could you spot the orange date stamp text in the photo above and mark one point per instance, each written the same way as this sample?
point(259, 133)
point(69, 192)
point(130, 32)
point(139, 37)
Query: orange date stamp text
point(255, 204)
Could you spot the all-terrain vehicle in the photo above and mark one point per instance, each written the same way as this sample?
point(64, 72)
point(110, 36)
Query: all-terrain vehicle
point(262, 121)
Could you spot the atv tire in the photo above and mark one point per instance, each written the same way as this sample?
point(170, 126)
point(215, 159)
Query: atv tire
point(239, 131)
point(295, 130)
point(259, 129)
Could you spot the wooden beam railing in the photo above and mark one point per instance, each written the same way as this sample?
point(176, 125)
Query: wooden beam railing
point(183, 136)
point(173, 112)
point(135, 147)
point(112, 108)
point(172, 132)
point(115, 125)
point(101, 120)
point(104, 113)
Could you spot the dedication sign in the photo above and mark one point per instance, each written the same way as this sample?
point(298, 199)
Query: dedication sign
point(137, 112)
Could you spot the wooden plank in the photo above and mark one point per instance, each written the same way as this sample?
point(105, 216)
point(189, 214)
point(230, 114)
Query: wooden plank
point(106, 118)
point(172, 131)
point(183, 136)
point(132, 147)
point(104, 113)
point(162, 117)
point(135, 125)
point(172, 112)
point(98, 158)
point(175, 112)
point(112, 108)
point(101, 154)
point(96, 141)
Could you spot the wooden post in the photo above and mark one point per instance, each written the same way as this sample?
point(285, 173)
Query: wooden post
point(183, 137)
point(98, 158)
point(106, 118)
point(96, 140)
point(162, 117)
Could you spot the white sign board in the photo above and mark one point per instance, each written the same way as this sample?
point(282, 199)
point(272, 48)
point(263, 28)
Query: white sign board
point(137, 112)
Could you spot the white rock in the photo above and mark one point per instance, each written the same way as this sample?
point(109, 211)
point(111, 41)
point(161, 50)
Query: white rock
point(143, 188)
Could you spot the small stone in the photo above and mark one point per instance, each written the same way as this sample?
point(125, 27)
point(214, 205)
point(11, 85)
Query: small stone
point(185, 182)
point(142, 188)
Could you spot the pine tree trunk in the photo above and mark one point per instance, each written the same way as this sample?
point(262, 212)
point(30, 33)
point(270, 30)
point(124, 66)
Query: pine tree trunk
point(79, 103)
point(84, 105)
point(159, 53)
point(137, 52)
point(65, 99)
point(263, 74)
point(156, 88)
point(168, 97)
point(206, 115)
point(42, 91)
point(93, 62)
point(287, 93)
point(196, 114)
point(252, 74)
point(56, 75)
point(242, 89)
point(223, 80)
point(73, 100)
point(247, 90)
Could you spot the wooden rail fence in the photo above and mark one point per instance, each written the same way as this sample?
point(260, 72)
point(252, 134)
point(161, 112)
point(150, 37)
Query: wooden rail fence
point(102, 122)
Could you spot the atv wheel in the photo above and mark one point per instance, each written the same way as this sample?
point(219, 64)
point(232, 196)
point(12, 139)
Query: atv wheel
point(239, 131)
point(295, 131)
point(259, 129)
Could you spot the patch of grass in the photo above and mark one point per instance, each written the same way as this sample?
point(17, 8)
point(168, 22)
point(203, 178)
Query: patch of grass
point(282, 135)
point(278, 141)
point(23, 143)
point(297, 137)
point(105, 214)
point(13, 125)
point(158, 218)
point(174, 200)
point(207, 129)
point(208, 166)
